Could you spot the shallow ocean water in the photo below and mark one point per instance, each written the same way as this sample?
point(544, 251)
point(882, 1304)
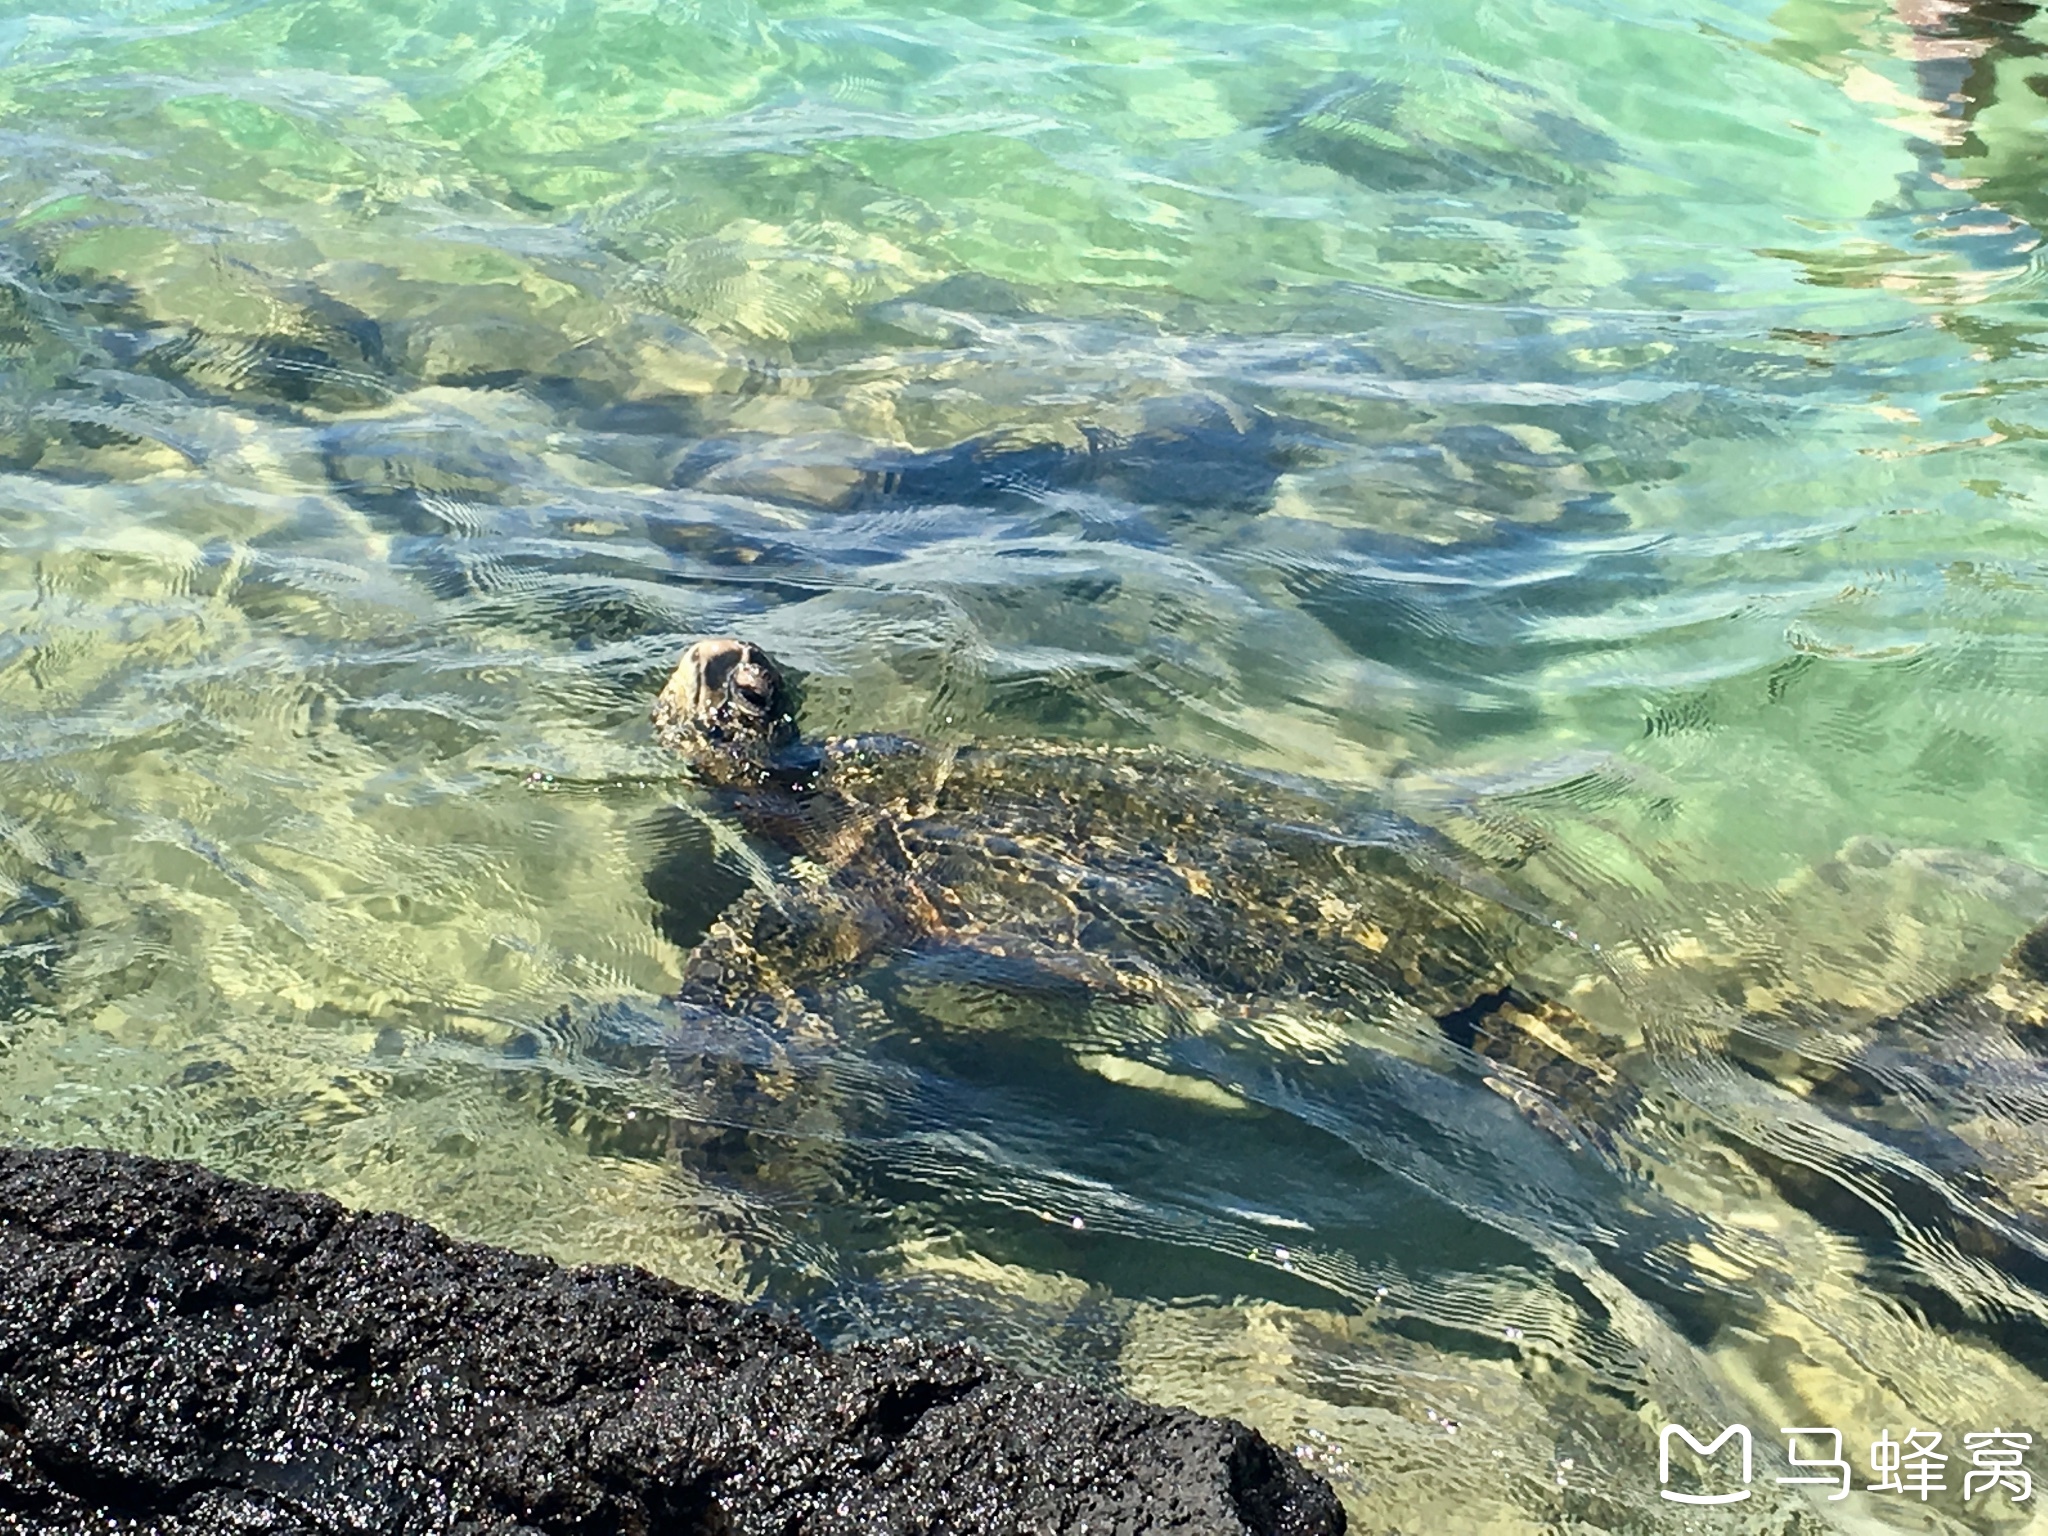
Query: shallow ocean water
point(1609, 435)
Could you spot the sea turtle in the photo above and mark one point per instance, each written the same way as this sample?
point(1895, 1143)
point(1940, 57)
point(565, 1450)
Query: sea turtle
point(1127, 876)
point(1097, 875)
point(1136, 898)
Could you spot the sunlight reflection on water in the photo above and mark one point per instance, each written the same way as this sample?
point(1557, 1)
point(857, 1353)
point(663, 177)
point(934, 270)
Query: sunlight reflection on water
point(1610, 442)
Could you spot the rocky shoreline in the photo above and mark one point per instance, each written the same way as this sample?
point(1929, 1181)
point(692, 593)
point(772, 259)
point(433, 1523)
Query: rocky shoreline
point(184, 1353)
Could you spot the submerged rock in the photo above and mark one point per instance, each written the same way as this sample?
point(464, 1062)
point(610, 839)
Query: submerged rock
point(1192, 452)
point(180, 1352)
point(37, 926)
point(1466, 130)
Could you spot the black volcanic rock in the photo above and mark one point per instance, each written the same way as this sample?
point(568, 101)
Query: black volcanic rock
point(181, 1353)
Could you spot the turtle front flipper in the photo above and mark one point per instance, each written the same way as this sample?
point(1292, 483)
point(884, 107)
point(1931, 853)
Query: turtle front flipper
point(757, 1025)
point(1549, 1061)
point(769, 946)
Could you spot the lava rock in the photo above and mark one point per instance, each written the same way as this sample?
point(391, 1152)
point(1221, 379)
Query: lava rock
point(183, 1353)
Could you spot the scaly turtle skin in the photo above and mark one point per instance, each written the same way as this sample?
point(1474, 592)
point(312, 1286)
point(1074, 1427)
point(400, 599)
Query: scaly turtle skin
point(1104, 874)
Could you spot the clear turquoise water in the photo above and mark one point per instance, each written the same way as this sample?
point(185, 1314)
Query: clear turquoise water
point(1611, 434)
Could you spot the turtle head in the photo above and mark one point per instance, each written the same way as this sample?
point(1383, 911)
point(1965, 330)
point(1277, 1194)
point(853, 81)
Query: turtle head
point(727, 708)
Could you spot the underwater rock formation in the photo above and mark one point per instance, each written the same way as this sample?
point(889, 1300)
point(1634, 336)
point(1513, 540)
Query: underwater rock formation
point(180, 1353)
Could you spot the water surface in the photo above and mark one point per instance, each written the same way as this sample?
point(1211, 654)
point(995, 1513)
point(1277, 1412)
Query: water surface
point(1609, 435)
